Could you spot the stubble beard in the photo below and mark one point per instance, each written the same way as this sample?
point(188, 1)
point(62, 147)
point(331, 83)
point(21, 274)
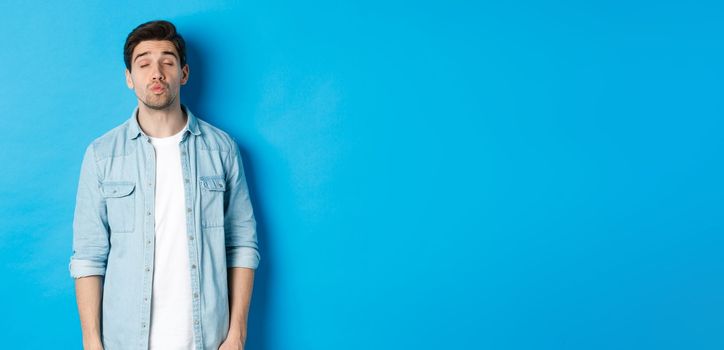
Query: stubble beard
point(160, 102)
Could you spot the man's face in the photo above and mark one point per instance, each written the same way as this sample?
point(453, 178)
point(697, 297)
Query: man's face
point(156, 75)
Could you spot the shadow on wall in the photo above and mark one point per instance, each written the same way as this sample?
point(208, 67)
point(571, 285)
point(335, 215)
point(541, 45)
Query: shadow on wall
point(194, 96)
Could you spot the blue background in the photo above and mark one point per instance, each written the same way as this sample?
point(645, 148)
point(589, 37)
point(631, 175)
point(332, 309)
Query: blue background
point(457, 175)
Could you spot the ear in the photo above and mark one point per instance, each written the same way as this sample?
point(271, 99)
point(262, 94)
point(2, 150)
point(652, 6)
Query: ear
point(185, 74)
point(129, 81)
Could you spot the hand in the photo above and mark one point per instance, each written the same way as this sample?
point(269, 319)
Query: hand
point(232, 343)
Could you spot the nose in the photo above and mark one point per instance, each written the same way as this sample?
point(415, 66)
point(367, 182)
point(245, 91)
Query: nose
point(157, 74)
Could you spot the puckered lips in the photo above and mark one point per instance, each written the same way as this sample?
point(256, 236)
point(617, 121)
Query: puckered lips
point(157, 88)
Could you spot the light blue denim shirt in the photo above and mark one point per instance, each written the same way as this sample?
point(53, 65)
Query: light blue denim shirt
point(113, 228)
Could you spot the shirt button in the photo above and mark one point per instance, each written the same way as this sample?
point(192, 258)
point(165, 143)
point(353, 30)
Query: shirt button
point(148, 213)
point(145, 299)
point(196, 295)
point(148, 241)
point(193, 266)
point(191, 238)
point(196, 321)
point(143, 325)
point(188, 210)
point(148, 269)
point(187, 180)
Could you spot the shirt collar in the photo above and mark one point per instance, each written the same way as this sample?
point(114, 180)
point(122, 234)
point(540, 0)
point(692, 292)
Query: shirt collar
point(134, 130)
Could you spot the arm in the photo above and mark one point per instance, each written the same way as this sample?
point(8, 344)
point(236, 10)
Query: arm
point(88, 291)
point(241, 283)
point(90, 251)
point(242, 254)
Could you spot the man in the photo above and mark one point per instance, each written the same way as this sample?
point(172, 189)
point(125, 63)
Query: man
point(164, 236)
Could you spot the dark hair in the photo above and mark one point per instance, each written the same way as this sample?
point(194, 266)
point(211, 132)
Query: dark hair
point(154, 30)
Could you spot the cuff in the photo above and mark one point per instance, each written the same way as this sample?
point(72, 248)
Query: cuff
point(82, 268)
point(242, 257)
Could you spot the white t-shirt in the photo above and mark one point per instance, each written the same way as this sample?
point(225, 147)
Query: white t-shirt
point(171, 313)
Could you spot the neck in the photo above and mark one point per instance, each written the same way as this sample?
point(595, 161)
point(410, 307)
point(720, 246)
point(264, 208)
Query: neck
point(161, 123)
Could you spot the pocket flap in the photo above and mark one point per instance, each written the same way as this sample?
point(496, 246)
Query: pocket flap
point(213, 183)
point(117, 189)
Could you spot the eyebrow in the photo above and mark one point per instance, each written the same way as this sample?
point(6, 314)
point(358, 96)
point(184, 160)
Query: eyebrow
point(163, 53)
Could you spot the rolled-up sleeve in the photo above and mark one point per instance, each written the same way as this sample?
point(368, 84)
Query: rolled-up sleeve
point(239, 222)
point(90, 223)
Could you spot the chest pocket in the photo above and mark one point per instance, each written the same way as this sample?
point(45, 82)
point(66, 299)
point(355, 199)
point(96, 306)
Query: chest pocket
point(212, 200)
point(120, 204)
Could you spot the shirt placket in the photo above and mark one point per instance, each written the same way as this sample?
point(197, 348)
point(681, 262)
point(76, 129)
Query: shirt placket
point(149, 233)
point(189, 189)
